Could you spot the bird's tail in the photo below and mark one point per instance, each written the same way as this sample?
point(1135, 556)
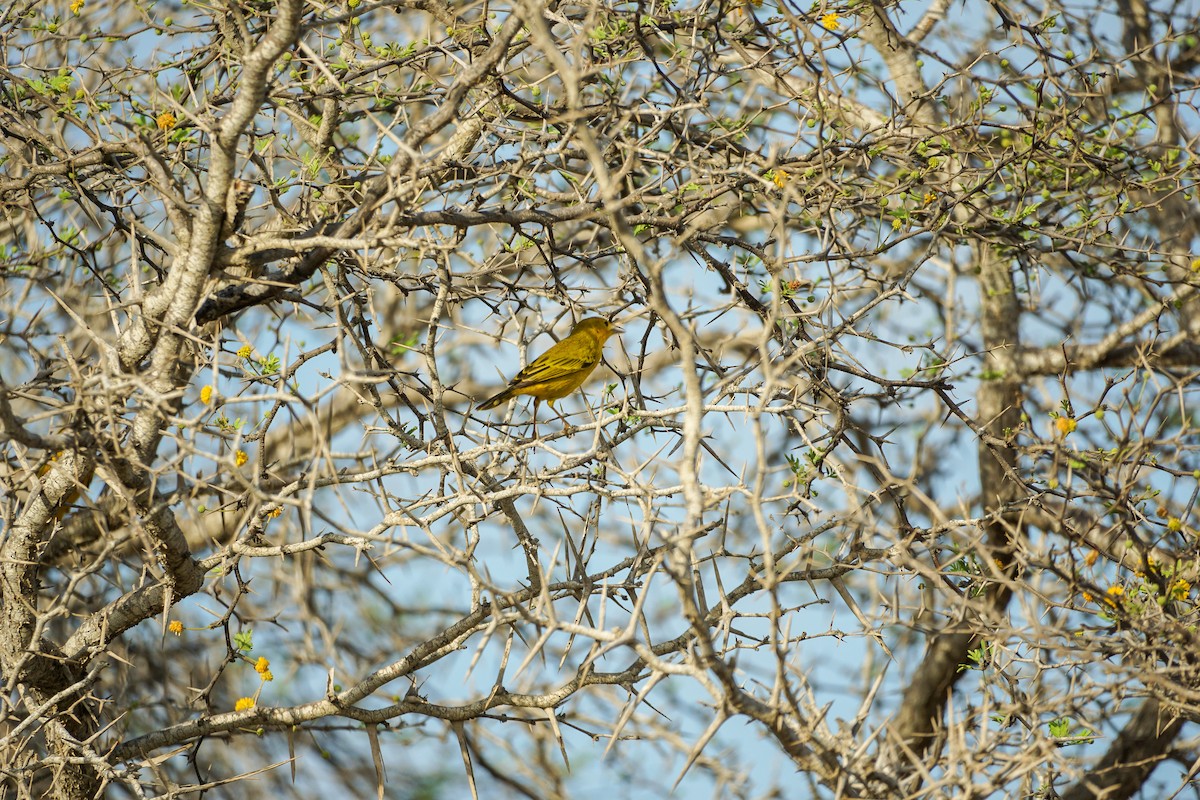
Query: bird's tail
point(495, 400)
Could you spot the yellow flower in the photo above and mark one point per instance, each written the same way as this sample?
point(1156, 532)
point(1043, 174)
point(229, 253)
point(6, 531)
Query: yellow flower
point(929, 197)
point(263, 668)
point(1064, 425)
point(165, 121)
point(1180, 589)
point(176, 627)
point(1087, 597)
point(1196, 265)
point(1174, 524)
point(274, 512)
point(830, 21)
point(76, 7)
point(780, 178)
point(244, 704)
point(245, 351)
point(240, 457)
point(1116, 591)
point(206, 395)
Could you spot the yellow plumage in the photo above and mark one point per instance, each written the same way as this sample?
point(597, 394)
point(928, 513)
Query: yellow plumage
point(560, 370)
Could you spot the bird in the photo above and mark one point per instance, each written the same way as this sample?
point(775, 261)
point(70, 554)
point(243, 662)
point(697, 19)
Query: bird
point(560, 370)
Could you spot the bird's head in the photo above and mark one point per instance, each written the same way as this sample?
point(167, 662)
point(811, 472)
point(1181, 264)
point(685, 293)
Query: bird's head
point(599, 327)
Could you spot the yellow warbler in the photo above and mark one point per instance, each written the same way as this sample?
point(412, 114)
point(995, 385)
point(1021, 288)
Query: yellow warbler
point(560, 370)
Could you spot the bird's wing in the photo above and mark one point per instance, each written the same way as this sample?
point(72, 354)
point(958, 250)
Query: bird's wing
point(556, 363)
